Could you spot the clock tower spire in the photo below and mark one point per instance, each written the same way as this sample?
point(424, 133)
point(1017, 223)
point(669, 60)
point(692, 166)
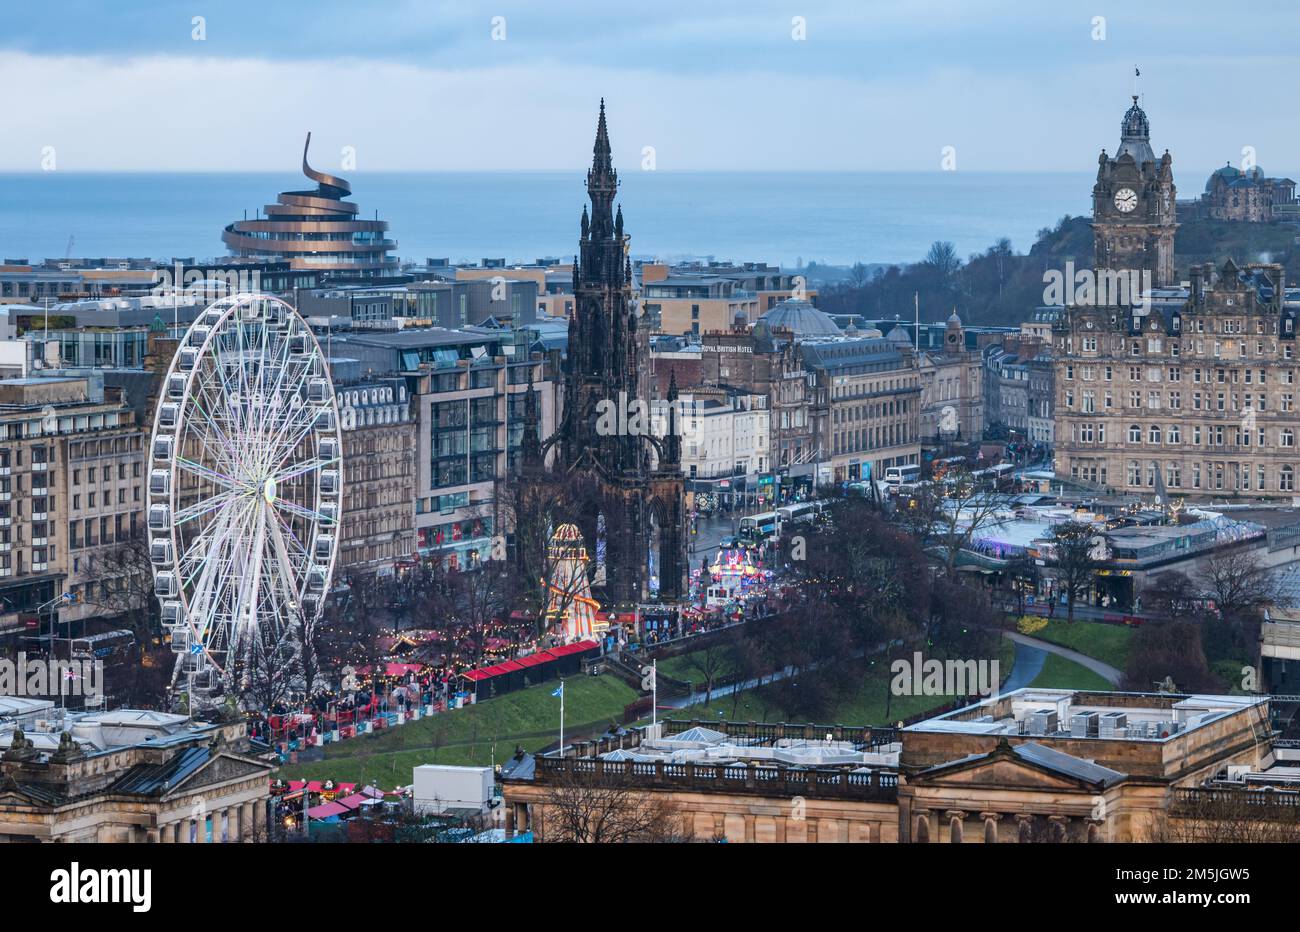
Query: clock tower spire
point(1133, 204)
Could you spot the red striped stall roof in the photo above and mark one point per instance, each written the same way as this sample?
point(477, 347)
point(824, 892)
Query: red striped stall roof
point(532, 660)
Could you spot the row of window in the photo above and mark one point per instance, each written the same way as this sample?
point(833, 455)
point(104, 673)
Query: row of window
point(1215, 476)
point(1216, 435)
point(871, 438)
point(1199, 401)
point(1175, 374)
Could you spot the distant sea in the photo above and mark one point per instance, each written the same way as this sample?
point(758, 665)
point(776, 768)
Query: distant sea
point(780, 217)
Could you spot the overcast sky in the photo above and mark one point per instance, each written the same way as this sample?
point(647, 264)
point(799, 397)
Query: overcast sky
point(420, 86)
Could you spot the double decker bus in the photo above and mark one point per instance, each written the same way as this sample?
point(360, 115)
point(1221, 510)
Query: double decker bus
point(755, 529)
point(802, 512)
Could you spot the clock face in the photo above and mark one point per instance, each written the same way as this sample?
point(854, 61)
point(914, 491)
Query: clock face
point(1126, 200)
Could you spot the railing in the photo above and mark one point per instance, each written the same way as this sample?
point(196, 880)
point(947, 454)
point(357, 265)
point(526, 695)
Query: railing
point(721, 778)
point(864, 736)
point(1195, 801)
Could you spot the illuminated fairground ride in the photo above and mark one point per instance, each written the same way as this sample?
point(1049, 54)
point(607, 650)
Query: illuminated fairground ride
point(570, 609)
point(735, 563)
point(732, 575)
point(245, 490)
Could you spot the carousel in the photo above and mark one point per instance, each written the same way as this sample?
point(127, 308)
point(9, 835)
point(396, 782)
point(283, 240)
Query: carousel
point(733, 576)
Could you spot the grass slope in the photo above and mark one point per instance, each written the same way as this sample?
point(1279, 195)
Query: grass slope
point(866, 707)
point(476, 735)
point(1059, 673)
point(1107, 643)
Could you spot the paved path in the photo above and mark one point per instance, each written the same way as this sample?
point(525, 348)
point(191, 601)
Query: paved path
point(1028, 664)
point(681, 702)
point(1104, 670)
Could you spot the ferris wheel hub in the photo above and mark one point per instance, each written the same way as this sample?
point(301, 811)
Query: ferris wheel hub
point(268, 491)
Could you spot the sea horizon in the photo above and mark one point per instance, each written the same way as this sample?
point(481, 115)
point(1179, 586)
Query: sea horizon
point(788, 218)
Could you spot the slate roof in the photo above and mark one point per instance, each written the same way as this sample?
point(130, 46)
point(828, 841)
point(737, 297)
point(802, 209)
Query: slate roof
point(1067, 764)
point(155, 779)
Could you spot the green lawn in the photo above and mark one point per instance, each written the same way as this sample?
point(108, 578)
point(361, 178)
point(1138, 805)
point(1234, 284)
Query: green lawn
point(866, 707)
point(476, 735)
point(1006, 658)
point(1059, 673)
point(684, 666)
point(1107, 643)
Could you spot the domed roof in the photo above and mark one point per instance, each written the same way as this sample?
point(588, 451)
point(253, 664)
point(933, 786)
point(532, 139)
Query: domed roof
point(953, 318)
point(1135, 135)
point(1227, 173)
point(899, 335)
point(801, 318)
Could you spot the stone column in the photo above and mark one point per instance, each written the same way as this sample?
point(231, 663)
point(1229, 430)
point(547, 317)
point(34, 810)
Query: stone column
point(991, 820)
point(183, 831)
point(1059, 828)
point(922, 823)
point(259, 818)
point(246, 821)
point(955, 829)
point(153, 836)
point(1024, 827)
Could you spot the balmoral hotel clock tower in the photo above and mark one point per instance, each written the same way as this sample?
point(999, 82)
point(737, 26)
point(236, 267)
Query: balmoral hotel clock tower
point(1133, 214)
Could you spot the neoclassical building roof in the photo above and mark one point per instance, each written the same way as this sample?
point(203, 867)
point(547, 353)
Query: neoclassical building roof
point(801, 318)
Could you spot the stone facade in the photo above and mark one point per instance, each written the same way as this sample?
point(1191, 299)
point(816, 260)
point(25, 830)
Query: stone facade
point(866, 405)
point(952, 392)
point(199, 787)
point(956, 780)
point(71, 488)
point(379, 444)
point(1244, 196)
point(1198, 396)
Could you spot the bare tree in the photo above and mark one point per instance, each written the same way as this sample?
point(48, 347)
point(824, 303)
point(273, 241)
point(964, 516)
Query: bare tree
point(532, 508)
point(125, 586)
point(943, 259)
point(1239, 584)
point(968, 508)
point(1022, 573)
point(1171, 594)
point(1076, 562)
point(593, 809)
point(918, 512)
point(482, 596)
point(709, 662)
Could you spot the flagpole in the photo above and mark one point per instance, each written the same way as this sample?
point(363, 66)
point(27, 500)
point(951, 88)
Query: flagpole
point(561, 718)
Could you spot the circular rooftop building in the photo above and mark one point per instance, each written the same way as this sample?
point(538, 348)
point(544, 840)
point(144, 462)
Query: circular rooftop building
point(802, 319)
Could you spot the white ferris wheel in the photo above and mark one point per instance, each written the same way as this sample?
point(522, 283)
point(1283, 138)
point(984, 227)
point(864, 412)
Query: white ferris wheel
point(245, 492)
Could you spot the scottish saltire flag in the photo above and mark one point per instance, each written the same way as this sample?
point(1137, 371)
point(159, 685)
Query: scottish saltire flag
point(559, 690)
